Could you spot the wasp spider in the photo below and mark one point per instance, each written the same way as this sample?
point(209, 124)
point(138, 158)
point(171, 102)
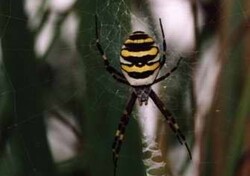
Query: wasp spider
point(140, 62)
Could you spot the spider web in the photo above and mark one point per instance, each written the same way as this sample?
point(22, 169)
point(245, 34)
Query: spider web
point(77, 73)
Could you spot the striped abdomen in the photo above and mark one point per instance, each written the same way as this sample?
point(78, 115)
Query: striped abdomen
point(140, 59)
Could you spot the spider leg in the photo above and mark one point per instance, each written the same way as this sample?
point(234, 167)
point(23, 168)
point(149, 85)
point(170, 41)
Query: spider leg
point(168, 73)
point(115, 74)
point(164, 45)
point(116, 147)
point(170, 120)
point(164, 57)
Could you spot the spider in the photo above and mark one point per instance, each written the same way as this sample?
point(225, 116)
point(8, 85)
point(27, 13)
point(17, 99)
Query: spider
point(140, 62)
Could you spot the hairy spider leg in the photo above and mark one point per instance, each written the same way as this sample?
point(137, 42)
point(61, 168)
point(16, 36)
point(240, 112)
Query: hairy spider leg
point(164, 45)
point(168, 73)
point(119, 136)
point(115, 74)
point(170, 120)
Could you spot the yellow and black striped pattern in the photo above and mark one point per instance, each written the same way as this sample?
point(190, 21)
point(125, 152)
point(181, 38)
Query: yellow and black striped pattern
point(140, 69)
point(139, 56)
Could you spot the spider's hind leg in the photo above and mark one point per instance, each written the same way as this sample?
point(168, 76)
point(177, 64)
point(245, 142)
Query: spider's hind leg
point(112, 70)
point(164, 45)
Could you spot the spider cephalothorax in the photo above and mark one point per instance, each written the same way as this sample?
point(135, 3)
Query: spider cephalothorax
point(140, 62)
point(142, 94)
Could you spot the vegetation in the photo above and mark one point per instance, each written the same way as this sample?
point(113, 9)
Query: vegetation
point(59, 108)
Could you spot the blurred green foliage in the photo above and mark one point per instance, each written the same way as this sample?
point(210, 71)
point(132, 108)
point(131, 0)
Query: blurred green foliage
point(97, 102)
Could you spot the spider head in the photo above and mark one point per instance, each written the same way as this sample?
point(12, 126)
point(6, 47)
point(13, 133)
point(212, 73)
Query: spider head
point(142, 94)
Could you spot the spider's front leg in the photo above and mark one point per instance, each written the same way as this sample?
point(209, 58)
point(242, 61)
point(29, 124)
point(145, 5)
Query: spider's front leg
point(116, 147)
point(116, 74)
point(170, 120)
